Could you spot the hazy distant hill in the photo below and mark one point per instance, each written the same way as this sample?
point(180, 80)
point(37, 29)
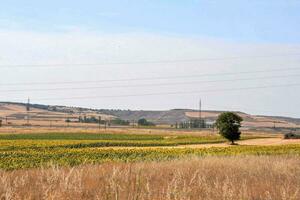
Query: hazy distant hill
point(17, 111)
point(160, 117)
point(179, 115)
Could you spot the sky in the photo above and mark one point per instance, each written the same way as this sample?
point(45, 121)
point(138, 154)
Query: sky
point(153, 55)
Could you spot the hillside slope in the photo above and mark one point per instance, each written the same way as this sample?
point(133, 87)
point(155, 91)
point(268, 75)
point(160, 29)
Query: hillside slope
point(16, 112)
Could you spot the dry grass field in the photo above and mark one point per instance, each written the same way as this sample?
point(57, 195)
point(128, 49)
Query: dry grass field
point(209, 178)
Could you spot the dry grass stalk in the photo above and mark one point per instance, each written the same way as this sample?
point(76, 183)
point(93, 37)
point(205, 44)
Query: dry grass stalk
point(215, 178)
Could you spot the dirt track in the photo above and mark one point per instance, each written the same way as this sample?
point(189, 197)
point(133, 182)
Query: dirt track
point(250, 142)
point(260, 142)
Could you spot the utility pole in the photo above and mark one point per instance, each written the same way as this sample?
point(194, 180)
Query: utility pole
point(99, 122)
point(109, 122)
point(28, 109)
point(200, 105)
point(200, 114)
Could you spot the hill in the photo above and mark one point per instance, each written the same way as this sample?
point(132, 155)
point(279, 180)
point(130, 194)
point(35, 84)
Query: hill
point(40, 114)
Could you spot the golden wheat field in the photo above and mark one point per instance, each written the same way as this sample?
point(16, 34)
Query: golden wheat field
point(209, 178)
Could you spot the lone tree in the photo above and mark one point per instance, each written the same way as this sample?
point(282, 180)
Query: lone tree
point(228, 124)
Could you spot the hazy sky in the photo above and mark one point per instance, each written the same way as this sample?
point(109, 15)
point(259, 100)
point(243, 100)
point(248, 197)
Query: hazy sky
point(178, 50)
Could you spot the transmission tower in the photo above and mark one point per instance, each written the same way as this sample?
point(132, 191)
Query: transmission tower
point(200, 107)
point(200, 114)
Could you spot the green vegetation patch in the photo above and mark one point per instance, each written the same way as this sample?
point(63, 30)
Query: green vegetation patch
point(18, 151)
point(81, 140)
point(32, 158)
point(78, 136)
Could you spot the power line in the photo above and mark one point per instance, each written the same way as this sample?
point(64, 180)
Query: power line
point(156, 78)
point(174, 93)
point(143, 62)
point(152, 84)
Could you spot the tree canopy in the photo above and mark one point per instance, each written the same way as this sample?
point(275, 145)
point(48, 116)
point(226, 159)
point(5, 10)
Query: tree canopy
point(228, 124)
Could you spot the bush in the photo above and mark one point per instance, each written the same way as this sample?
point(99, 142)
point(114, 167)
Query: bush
point(291, 136)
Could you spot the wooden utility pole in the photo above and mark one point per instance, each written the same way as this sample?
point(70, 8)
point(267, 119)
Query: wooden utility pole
point(28, 109)
point(200, 105)
point(99, 122)
point(200, 114)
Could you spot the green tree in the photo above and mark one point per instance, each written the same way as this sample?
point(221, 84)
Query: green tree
point(119, 121)
point(228, 124)
point(144, 122)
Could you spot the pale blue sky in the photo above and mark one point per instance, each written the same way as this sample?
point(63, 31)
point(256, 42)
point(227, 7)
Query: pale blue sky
point(94, 31)
point(246, 20)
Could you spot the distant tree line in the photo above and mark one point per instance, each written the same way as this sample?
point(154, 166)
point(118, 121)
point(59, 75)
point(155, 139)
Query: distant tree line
point(95, 120)
point(91, 119)
point(145, 122)
point(119, 121)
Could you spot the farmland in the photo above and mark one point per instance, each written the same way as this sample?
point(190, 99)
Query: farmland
point(146, 164)
point(20, 151)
